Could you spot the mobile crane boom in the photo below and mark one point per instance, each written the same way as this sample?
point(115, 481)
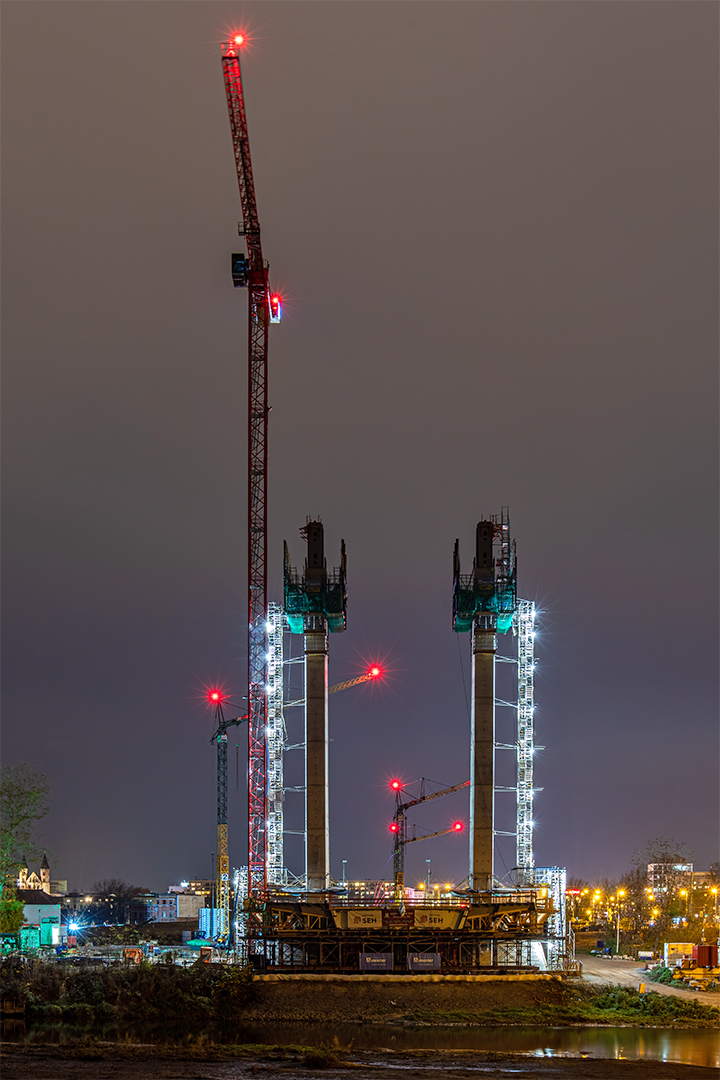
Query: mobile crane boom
point(399, 828)
point(221, 929)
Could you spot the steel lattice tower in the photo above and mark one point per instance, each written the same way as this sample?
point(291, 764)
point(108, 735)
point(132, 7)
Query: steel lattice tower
point(525, 626)
point(275, 744)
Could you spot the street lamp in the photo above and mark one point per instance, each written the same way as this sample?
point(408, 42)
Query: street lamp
point(620, 894)
point(715, 892)
point(683, 892)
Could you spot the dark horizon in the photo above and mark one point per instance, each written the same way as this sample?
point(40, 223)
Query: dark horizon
point(495, 230)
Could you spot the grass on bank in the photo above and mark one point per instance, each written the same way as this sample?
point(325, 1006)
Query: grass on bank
point(152, 993)
point(607, 1005)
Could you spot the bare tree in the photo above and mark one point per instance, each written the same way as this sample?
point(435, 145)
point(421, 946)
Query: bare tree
point(23, 802)
point(117, 895)
point(663, 861)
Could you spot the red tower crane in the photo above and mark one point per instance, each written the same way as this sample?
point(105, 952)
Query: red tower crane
point(264, 308)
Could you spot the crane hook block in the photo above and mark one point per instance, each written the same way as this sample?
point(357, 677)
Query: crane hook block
point(239, 271)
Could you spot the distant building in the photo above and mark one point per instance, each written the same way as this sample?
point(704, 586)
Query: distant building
point(171, 906)
point(369, 890)
point(202, 887)
point(42, 912)
point(31, 881)
point(703, 879)
point(664, 875)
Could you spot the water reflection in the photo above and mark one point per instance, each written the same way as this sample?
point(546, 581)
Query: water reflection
point(692, 1047)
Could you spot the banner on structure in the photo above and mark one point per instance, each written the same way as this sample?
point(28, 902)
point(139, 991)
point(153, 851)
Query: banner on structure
point(437, 918)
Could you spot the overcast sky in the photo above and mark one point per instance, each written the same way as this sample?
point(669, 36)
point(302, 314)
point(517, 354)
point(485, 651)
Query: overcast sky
point(495, 227)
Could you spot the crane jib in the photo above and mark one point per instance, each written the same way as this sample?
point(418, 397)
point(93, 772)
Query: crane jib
point(241, 145)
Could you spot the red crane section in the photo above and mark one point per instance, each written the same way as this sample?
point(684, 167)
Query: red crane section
point(254, 274)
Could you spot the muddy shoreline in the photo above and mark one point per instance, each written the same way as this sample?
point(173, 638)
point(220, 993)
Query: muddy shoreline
point(128, 1062)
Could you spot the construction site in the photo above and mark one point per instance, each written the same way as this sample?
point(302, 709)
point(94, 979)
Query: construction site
point(302, 920)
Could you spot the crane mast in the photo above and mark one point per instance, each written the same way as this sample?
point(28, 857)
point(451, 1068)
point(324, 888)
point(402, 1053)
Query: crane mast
point(221, 928)
point(255, 274)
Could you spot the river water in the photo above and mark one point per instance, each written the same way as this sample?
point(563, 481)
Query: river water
point(689, 1046)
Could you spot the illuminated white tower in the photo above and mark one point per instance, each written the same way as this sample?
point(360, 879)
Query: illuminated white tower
point(275, 745)
point(525, 627)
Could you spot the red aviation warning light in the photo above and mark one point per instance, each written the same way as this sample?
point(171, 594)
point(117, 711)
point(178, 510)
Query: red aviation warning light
point(394, 827)
point(239, 39)
point(375, 672)
point(275, 307)
point(458, 826)
point(395, 785)
point(215, 695)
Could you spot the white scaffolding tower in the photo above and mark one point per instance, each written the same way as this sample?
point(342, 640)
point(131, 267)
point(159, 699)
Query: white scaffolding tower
point(525, 628)
point(275, 745)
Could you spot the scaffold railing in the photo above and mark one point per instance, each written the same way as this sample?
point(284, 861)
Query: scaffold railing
point(525, 628)
point(276, 739)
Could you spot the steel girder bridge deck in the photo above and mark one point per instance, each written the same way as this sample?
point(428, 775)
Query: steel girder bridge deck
point(485, 933)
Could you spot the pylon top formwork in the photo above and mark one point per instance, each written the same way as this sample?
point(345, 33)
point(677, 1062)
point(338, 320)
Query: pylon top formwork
point(318, 591)
point(491, 589)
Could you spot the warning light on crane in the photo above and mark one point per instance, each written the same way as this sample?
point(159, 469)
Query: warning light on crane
point(395, 785)
point(239, 39)
point(458, 826)
point(394, 827)
point(215, 695)
point(275, 308)
point(375, 672)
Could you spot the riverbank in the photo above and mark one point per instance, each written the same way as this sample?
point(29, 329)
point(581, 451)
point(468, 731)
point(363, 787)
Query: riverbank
point(128, 1062)
point(164, 1000)
point(485, 1001)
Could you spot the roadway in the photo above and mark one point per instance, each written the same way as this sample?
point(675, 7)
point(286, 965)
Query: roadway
point(606, 972)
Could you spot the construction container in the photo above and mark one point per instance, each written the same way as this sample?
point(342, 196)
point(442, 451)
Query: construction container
point(707, 956)
point(674, 952)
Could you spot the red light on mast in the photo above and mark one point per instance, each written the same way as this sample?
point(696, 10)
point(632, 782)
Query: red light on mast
point(215, 695)
point(458, 826)
point(394, 827)
point(375, 672)
point(239, 39)
point(395, 785)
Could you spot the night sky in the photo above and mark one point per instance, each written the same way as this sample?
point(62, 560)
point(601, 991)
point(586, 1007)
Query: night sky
point(495, 228)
